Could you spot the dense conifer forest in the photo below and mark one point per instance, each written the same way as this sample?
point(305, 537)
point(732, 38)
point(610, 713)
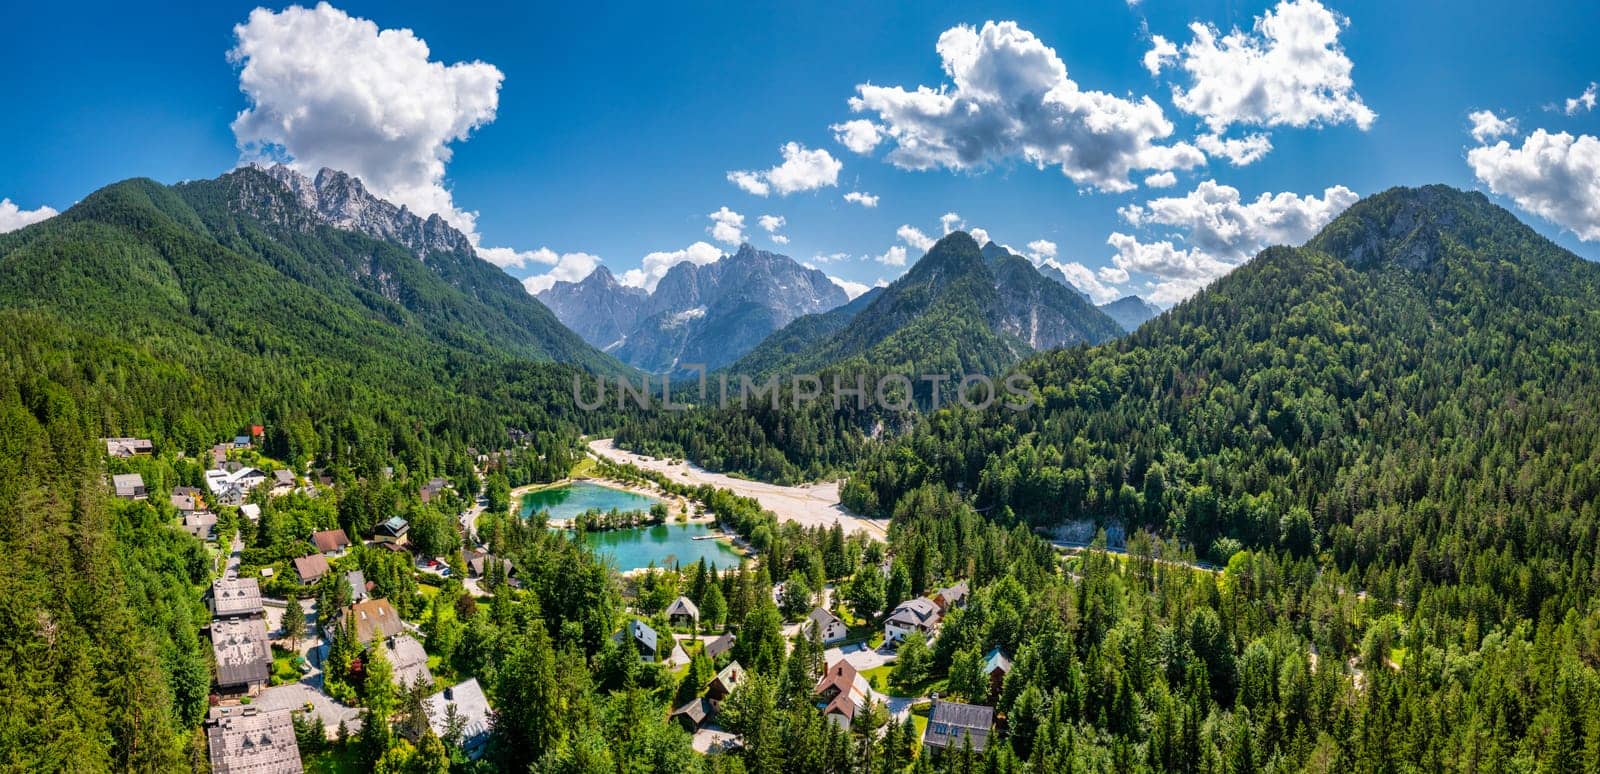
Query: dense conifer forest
point(1343, 500)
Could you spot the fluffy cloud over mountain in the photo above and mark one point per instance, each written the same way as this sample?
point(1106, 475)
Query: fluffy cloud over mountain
point(1012, 99)
point(1289, 70)
point(1219, 230)
point(801, 170)
point(1555, 176)
point(327, 89)
point(13, 217)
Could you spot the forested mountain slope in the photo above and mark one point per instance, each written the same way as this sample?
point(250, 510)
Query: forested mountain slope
point(1421, 376)
point(206, 306)
point(958, 311)
point(955, 312)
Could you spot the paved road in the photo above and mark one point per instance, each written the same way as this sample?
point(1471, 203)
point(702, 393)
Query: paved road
point(294, 696)
point(231, 569)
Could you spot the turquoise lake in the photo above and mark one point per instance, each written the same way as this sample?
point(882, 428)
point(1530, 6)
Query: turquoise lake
point(565, 502)
point(632, 549)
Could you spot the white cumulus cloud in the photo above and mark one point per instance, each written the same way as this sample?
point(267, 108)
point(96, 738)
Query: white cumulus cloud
point(1582, 103)
point(894, 256)
point(1238, 151)
point(914, 237)
point(326, 89)
point(1086, 280)
point(860, 135)
point(726, 226)
point(1554, 176)
point(1487, 126)
point(1289, 70)
point(13, 217)
point(1218, 229)
point(864, 199)
point(1161, 180)
point(802, 170)
point(1041, 249)
point(568, 267)
point(1162, 52)
point(851, 289)
point(655, 265)
point(1011, 99)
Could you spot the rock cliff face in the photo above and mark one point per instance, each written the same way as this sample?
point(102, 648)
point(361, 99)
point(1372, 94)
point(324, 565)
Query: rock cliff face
point(1130, 312)
point(598, 308)
point(712, 313)
point(341, 201)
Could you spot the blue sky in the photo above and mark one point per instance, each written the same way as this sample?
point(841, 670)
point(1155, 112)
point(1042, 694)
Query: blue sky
point(613, 129)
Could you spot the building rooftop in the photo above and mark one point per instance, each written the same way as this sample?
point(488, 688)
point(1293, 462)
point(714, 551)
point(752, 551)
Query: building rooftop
point(951, 723)
point(235, 597)
point(373, 618)
point(473, 708)
point(409, 659)
point(241, 648)
point(246, 740)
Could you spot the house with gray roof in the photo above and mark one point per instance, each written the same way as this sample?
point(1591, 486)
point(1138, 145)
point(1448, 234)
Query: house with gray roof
point(913, 615)
point(829, 627)
point(643, 638)
point(952, 725)
point(720, 645)
point(235, 598)
point(129, 486)
point(243, 657)
point(471, 705)
point(683, 612)
point(409, 659)
point(248, 740)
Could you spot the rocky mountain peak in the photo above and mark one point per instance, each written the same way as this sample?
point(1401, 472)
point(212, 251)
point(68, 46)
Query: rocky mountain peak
point(340, 200)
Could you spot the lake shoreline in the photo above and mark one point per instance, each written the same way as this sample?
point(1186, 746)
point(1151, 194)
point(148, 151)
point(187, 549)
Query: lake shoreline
point(633, 548)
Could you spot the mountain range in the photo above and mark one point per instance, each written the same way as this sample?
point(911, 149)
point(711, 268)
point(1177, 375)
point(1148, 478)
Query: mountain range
point(698, 313)
point(265, 293)
point(960, 309)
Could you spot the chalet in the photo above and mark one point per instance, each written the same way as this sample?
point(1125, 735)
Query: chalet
point(310, 569)
point(243, 658)
point(996, 666)
point(201, 524)
point(642, 637)
point(186, 498)
point(230, 486)
point(693, 714)
point(842, 692)
point(912, 615)
point(392, 531)
point(129, 486)
point(373, 619)
point(472, 706)
point(828, 626)
point(241, 442)
point(360, 588)
point(720, 645)
point(723, 684)
point(950, 598)
point(952, 725)
point(480, 561)
point(248, 739)
point(409, 659)
point(236, 598)
point(219, 454)
point(250, 511)
point(683, 612)
point(432, 489)
point(330, 542)
point(129, 447)
point(282, 482)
